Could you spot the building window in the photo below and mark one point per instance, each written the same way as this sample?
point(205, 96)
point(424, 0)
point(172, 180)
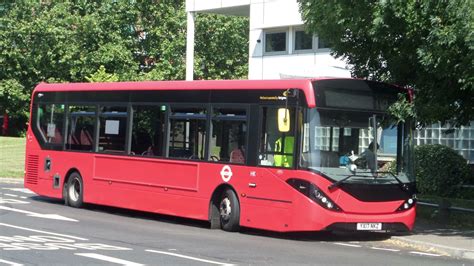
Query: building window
point(276, 42)
point(303, 41)
point(322, 44)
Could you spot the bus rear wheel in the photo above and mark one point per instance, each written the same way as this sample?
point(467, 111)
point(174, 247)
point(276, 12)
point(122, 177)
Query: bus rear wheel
point(229, 211)
point(74, 190)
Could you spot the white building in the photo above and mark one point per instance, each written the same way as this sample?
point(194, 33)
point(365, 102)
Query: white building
point(278, 45)
point(279, 48)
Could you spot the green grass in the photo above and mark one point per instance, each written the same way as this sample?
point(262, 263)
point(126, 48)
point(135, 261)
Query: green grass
point(12, 157)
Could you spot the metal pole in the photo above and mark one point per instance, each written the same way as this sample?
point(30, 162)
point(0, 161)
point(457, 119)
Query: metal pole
point(190, 46)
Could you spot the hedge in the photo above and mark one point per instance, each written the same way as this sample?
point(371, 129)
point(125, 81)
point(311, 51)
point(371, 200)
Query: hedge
point(440, 171)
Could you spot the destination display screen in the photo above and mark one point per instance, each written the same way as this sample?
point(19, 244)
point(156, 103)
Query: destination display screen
point(355, 94)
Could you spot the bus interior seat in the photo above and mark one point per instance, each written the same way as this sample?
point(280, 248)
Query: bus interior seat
point(85, 137)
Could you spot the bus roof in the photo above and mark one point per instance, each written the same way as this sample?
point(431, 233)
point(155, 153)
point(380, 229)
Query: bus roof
point(302, 84)
point(305, 85)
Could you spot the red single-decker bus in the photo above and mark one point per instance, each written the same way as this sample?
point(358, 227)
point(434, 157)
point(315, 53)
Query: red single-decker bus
point(281, 155)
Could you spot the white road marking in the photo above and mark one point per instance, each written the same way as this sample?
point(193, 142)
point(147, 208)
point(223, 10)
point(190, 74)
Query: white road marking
point(425, 254)
point(109, 259)
point(347, 245)
point(11, 195)
point(386, 249)
point(44, 232)
point(10, 263)
point(188, 257)
point(22, 190)
point(39, 215)
point(11, 180)
point(12, 201)
point(23, 197)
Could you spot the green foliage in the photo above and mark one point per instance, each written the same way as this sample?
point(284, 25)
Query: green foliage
point(402, 109)
point(221, 47)
point(69, 41)
point(426, 45)
point(440, 170)
point(14, 101)
point(101, 75)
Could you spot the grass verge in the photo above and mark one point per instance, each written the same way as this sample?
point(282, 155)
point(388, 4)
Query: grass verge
point(454, 219)
point(12, 157)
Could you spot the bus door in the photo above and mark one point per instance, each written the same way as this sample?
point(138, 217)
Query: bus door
point(267, 184)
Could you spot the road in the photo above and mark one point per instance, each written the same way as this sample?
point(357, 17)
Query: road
point(36, 230)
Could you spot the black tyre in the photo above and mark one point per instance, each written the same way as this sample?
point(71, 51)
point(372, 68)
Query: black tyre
point(74, 190)
point(229, 211)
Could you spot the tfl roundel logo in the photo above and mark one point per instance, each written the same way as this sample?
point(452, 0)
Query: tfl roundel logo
point(226, 173)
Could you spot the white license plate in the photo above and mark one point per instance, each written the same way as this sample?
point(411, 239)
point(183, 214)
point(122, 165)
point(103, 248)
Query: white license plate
point(369, 226)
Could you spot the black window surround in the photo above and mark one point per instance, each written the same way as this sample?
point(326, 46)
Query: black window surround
point(250, 101)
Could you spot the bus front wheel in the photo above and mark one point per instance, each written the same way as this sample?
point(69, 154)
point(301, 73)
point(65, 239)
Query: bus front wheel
point(229, 211)
point(75, 190)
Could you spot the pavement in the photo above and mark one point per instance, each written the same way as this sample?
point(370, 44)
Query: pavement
point(456, 243)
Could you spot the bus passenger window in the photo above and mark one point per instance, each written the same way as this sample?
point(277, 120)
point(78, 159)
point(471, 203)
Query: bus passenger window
point(229, 134)
point(276, 148)
point(50, 121)
point(187, 138)
point(80, 131)
point(112, 129)
point(148, 130)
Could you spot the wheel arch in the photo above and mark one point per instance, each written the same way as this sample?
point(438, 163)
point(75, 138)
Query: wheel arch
point(66, 179)
point(68, 174)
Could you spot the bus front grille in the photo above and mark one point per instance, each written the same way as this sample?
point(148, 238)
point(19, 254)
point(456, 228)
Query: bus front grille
point(32, 169)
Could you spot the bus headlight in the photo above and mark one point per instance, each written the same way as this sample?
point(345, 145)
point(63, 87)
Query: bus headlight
point(408, 204)
point(323, 200)
point(313, 192)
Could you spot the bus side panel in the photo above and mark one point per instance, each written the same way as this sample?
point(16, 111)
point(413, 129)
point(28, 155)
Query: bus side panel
point(147, 172)
point(149, 199)
point(153, 185)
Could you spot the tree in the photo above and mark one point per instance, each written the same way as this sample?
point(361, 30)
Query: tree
point(101, 75)
point(426, 45)
point(68, 41)
point(221, 47)
point(14, 102)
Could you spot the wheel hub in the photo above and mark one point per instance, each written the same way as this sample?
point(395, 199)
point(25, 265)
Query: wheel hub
point(75, 190)
point(225, 209)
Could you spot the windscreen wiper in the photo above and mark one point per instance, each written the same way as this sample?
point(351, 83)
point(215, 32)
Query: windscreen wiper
point(403, 186)
point(338, 183)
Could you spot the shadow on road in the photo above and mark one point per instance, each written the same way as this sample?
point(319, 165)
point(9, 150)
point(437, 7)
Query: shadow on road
point(322, 236)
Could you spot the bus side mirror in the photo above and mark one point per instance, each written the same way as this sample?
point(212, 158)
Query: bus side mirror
point(283, 120)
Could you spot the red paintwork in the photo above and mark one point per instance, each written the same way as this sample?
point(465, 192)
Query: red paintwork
point(304, 84)
point(184, 188)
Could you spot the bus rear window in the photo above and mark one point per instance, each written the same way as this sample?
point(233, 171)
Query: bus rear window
point(50, 122)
